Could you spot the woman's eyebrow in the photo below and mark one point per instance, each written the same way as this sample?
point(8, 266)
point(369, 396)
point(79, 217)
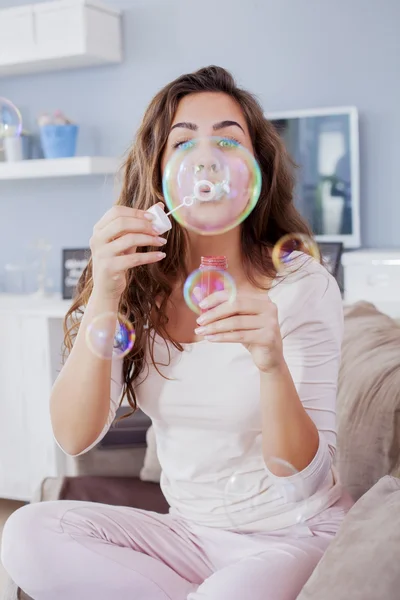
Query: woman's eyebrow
point(223, 124)
point(216, 126)
point(185, 125)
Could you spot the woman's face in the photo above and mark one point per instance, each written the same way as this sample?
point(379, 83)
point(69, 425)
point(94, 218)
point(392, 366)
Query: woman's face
point(208, 115)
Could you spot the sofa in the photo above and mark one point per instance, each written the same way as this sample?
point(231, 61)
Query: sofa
point(361, 562)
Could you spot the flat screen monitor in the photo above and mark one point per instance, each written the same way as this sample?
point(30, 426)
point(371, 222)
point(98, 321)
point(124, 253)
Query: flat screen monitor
point(324, 144)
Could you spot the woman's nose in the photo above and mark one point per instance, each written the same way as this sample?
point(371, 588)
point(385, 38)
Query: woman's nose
point(205, 167)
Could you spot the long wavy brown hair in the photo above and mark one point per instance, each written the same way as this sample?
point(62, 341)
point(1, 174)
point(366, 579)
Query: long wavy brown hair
point(273, 217)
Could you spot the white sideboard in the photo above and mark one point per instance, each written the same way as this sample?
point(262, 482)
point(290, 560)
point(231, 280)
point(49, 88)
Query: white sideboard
point(373, 275)
point(31, 334)
point(30, 357)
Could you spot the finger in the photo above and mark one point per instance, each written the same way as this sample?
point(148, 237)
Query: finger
point(130, 241)
point(217, 298)
point(247, 305)
point(123, 225)
point(129, 261)
point(117, 212)
point(230, 295)
point(250, 336)
point(231, 324)
point(198, 294)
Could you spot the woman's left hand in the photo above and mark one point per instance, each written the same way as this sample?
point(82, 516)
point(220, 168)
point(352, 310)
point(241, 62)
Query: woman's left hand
point(251, 320)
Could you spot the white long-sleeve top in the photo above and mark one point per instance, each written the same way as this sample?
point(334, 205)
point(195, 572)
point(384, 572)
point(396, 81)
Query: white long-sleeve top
point(206, 414)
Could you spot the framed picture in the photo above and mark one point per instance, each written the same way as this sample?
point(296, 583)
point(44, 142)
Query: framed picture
point(331, 184)
point(74, 261)
point(331, 253)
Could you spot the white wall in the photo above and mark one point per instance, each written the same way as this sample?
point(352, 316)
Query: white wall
point(292, 53)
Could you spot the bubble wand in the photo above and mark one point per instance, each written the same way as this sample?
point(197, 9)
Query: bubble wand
point(161, 220)
point(187, 201)
point(204, 191)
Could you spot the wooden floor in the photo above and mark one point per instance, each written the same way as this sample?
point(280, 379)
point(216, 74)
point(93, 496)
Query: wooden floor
point(6, 508)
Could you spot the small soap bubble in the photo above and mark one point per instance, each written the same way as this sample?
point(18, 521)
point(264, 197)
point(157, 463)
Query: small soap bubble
point(241, 496)
point(110, 336)
point(287, 250)
point(290, 485)
point(204, 282)
point(254, 494)
point(211, 185)
point(10, 121)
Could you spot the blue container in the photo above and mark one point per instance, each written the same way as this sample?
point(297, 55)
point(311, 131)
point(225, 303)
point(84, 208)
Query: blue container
point(59, 141)
point(26, 146)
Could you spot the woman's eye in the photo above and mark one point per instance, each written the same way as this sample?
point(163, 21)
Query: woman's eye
point(228, 143)
point(184, 145)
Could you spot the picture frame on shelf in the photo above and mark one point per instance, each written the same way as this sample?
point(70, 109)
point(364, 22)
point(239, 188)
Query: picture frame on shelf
point(74, 262)
point(331, 253)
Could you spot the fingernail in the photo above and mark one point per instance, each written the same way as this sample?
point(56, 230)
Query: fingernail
point(161, 240)
point(149, 216)
point(199, 330)
point(201, 319)
point(161, 255)
point(203, 303)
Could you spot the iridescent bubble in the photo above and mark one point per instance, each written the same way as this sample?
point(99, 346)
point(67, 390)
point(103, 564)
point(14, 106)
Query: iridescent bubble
point(242, 495)
point(110, 336)
point(250, 495)
point(211, 184)
point(290, 485)
point(10, 121)
point(286, 251)
point(204, 282)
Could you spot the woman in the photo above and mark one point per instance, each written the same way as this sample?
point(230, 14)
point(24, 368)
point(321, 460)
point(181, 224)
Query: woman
point(251, 381)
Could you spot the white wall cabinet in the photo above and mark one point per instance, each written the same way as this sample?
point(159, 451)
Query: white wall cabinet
point(17, 39)
point(60, 34)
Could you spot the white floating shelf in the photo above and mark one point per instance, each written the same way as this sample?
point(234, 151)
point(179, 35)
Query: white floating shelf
point(57, 63)
point(62, 34)
point(59, 167)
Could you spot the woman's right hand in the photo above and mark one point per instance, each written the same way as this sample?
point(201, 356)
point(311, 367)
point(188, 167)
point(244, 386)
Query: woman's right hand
point(113, 244)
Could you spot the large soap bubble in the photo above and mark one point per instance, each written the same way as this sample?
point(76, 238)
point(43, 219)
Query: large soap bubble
point(10, 121)
point(211, 184)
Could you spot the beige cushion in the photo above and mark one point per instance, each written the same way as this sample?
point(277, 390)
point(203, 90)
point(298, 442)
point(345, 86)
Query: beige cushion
point(368, 404)
point(362, 561)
